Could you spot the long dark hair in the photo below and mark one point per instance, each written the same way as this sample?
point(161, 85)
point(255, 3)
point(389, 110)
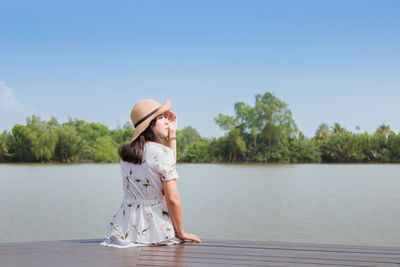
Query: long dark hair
point(133, 152)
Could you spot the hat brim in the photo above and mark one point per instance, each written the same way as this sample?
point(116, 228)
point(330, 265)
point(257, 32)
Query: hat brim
point(166, 106)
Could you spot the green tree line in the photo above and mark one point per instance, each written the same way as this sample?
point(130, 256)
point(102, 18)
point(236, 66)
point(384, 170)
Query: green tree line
point(264, 132)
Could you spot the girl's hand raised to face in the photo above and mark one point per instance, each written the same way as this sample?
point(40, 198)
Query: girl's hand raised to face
point(172, 123)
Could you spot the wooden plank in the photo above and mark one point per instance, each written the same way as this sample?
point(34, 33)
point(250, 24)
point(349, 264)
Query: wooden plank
point(237, 259)
point(318, 257)
point(338, 250)
point(231, 263)
point(289, 244)
point(300, 255)
point(185, 264)
point(67, 254)
point(92, 249)
point(288, 250)
point(235, 243)
point(204, 261)
point(366, 261)
point(89, 252)
point(299, 247)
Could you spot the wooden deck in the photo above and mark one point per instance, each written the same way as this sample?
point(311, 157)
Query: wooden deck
point(208, 253)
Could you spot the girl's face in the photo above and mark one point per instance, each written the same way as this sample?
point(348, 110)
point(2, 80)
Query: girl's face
point(161, 127)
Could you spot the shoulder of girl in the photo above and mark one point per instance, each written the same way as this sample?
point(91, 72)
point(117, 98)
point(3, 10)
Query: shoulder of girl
point(165, 149)
point(160, 150)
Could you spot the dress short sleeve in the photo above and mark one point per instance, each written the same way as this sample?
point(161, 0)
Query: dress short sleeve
point(165, 164)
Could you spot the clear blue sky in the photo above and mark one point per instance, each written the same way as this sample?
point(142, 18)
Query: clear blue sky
point(331, 61)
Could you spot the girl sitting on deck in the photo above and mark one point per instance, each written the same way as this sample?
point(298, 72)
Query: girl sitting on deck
point(150, 212)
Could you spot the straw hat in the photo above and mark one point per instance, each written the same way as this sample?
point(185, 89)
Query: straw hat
point(144, 112)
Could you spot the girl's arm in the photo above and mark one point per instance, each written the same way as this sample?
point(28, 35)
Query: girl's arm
point(175, 210)
point(171, 189)
point(172, 144)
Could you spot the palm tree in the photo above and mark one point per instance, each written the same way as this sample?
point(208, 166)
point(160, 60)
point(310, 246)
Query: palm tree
point(383, 131)
point(322, 132)
point(338, 130)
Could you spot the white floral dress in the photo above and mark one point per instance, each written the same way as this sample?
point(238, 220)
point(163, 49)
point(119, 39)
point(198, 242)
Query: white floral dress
point(143, 218)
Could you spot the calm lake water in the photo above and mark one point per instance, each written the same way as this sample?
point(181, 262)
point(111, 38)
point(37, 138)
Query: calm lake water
point(320, 203)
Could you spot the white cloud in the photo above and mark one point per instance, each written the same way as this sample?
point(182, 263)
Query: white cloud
point(11, 110)
point(9, 103)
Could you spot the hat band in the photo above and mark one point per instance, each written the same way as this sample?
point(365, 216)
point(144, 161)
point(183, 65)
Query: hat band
point(146, 117)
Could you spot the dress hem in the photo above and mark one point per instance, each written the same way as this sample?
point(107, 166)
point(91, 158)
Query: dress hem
point(167, 242)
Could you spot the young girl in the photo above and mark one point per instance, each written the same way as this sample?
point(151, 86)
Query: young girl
point(150, 213)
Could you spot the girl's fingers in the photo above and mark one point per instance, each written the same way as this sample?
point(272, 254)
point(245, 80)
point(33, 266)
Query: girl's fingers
point(171, 116)
point(195, 238)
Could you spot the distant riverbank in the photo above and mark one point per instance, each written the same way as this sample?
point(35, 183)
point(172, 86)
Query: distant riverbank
point(263, 133)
